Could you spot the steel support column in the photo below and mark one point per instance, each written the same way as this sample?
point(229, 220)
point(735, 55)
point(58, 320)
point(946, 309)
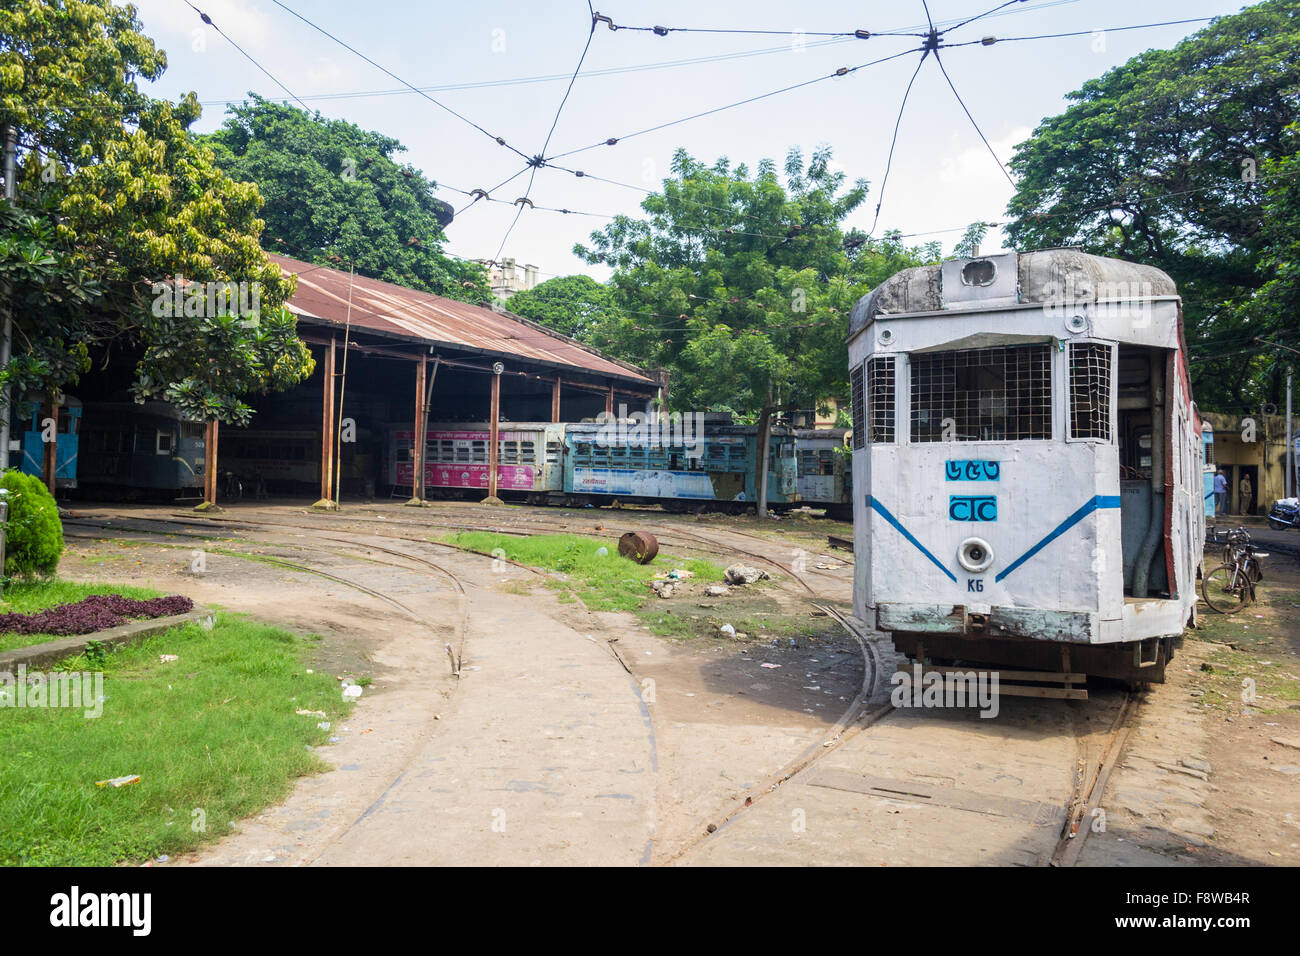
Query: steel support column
point(494, 421)
point(52, 448)
point(327, 426)
point(421, 430)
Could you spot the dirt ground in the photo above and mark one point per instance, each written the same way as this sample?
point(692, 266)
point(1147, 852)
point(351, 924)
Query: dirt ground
point(620, 738)
point(1254, 746)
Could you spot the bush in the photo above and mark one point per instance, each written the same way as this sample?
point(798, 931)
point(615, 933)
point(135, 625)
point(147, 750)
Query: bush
point(33, 533)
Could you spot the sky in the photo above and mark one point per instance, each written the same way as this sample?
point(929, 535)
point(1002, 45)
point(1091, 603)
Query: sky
point(505, 66)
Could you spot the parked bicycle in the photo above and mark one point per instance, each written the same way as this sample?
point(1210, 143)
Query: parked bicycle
point(231, 486)
point(1231, 586)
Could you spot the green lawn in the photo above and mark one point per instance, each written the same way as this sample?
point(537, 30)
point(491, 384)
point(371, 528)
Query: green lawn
point(604, 582)
point(214, 737)
point(26, 597)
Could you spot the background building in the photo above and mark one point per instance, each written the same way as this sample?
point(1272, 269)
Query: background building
point(508, 278)
point(1263, 458)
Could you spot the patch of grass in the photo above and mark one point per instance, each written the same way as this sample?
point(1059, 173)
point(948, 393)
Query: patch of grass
point(214, 732)
point(1253, 644)
point(27, 597)
point(605, 582)
point(685, 623)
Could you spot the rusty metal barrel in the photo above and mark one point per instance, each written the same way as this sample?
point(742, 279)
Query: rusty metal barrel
point(639, 546)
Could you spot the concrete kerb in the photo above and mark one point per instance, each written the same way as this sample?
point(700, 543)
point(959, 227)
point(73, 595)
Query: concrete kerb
point(53, 651)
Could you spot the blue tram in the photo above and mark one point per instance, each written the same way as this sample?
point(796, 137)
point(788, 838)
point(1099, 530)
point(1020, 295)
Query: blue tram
point(825, 470)
point(710, 465)
point(129, 449)
point(67, 429)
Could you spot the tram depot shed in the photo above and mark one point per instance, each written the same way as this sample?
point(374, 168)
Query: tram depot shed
point(386, 355)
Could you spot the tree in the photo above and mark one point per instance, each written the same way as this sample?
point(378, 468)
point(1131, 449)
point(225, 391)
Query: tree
point(574, 305)
point(970, 240)
point(1272, 311)
point(740, 285)
point(1160, 161)
point(119, 195)
point(332, 189)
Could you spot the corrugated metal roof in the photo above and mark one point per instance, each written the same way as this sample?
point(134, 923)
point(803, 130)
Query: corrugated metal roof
point(394, 310)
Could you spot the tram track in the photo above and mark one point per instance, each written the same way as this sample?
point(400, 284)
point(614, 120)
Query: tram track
point(667, 534)
point(1089, 780)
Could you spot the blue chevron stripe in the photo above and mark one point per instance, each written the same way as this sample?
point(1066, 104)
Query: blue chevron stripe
point(1097, 501)
point(884, 513)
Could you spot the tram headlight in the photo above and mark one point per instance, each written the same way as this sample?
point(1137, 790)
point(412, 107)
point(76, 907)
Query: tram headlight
point(975, 555)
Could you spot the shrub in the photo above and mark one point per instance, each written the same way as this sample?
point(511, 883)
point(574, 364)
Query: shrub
point(33, 533)
point(95, 613)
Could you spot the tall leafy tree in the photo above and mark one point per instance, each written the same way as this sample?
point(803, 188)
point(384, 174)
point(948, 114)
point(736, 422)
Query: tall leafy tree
point(741, 283)
point(575, 305)
point(1164, 160)
point(332, 189)
point(116, 195)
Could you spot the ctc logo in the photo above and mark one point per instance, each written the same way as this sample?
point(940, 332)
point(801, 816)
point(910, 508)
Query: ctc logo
point(973, 508)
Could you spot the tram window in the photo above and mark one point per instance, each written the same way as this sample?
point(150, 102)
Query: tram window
point(478, 452)
point(527, 451)
point(859, 411)
point(998, 394)
point(191, 429)
point(880, 399)
point(1089, 390)
point(552, 452)
point(165, 443)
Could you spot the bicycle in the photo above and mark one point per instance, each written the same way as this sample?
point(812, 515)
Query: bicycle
point(1231, 586)
point(231, 486)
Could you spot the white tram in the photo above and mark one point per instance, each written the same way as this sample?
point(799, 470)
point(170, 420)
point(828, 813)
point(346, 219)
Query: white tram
point(1027, 464)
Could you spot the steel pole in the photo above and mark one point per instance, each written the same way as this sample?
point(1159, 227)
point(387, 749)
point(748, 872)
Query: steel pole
point(1289, 457)
point(7, 332)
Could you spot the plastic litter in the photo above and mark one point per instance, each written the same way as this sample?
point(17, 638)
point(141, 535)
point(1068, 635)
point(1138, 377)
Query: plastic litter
point(167, 658)
point(602, 551)
point(727, 630)
point(352, 691)
point(119, 781)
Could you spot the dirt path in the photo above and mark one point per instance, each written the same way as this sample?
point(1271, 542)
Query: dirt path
point(574, 737)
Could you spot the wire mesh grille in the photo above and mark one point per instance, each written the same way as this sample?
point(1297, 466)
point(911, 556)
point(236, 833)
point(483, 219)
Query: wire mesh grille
point(880, 399)
point(998, 394)
point(859, 410)
point(1089, 390)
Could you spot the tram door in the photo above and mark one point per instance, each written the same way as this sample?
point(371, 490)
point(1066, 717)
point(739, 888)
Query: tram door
point(1137, 458)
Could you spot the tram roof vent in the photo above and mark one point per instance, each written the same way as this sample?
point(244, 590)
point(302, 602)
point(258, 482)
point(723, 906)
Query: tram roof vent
point(982, 280)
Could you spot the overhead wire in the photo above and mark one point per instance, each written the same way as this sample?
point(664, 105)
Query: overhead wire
point(208, 20)
point(500, 141)
point(538, 161)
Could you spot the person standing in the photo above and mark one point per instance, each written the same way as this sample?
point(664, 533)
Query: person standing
point(1220, 491)
point(1247, 492)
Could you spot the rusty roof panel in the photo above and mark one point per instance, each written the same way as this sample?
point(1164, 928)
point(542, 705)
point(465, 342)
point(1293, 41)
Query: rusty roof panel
point(389, 309)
